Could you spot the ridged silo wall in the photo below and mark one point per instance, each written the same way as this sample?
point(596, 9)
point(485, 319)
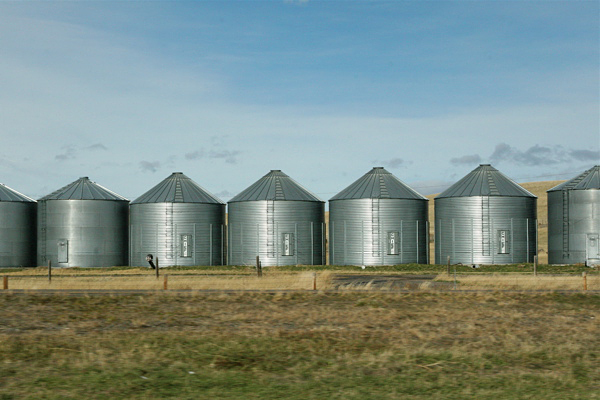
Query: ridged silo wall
point(18, 234)
point(573, 222)
point(177, 233)
point(83, 233)
point(260, 228)
point(363, 231)
point(485, 230)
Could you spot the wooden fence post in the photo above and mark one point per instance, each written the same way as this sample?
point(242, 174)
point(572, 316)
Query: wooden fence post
point(5, 282)
point(157, 273)
point(314, 281)
point(584, 274)
point(49, 271)
point(165, 282)
point(535, 260)
point(258, 267)
point(448, 266)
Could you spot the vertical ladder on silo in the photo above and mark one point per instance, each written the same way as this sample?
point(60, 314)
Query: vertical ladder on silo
point(485, 225)
point(565, 215)
point(270, 228)
point(169, 239)
point(375, 227)
point(43, 232)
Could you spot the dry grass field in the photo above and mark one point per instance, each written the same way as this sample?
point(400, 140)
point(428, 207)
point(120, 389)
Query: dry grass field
point(300, 346)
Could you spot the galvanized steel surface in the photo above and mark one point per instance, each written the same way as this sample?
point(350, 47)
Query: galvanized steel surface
point(177, 233)
point(378, 231)
point(378, 184)
point(18, 233)
point(589, 179)
point(85, 233)
point(485, 180)
point(83, 189)
point(8, 194)
point(177, 188)
point(261, 228)
point(573, 226)
point(485, 229)
point(275, 186)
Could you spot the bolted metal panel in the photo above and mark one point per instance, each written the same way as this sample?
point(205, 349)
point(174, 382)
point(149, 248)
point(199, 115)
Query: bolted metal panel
point(275, 185)
point(18, 233)
point(177, 233)
point(485, 229)
point(574, 219)
point(94, 232)
point(265, 228)
point(371, 231)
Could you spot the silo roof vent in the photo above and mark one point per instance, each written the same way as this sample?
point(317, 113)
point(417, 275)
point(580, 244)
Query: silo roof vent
point(485, 180)
point(275, 186)
point(177, 188)
point(378, 183)
point(83, 189)
point(589, 179)
point(8, 194)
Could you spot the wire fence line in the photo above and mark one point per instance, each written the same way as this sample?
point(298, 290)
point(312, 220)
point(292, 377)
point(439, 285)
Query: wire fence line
point(306, 280)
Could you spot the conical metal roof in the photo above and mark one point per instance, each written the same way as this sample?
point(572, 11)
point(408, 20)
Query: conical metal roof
point(485, 180)
point(378, 184)
point(177, 188)
point(275, 186)
point(8, 194)
point(589, 179)
point(83, 189)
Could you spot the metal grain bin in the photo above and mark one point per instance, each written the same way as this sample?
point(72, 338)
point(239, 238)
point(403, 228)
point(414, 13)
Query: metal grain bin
point(277, 220)
point(485, 218)
point(83, 225)
point(378, 220)
point(17, 229)
point(178, 222)
point(574, 220)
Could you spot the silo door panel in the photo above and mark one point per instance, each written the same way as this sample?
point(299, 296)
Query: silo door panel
point(63, 251)
point(592, 246)
point(186, 246)
point(393, 243)
point(288, 244)
point(503, 242)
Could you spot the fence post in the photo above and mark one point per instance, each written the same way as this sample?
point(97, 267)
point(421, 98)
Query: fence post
point(157, 274)
point(5, 282)
point(314, 281)
point(535, 259)
point(584, 274)
point(454, 277)
point(165, 282)
point(448, 266)
point(49, 271)
point(258, 267)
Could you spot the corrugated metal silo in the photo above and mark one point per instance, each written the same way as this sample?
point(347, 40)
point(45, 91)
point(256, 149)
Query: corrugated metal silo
point(378, 220)
point(179, 222)
point(83, 225)
point(485, 218)
point(17, 229)
point(574, 220)
point(277, 220)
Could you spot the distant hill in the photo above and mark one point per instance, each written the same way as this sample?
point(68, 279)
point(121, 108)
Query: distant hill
point(537, 188)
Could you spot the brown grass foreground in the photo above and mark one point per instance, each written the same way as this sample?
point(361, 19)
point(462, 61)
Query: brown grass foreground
point(300, 346)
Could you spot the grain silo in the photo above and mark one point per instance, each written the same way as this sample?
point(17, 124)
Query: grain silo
point(83, 225)
point(485, 218)
point(574, 220)
point(17, 229)
point(178, 222)
point(277, 220)
point(378, 220)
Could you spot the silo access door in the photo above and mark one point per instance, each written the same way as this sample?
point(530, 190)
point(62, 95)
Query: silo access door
point(593, 255)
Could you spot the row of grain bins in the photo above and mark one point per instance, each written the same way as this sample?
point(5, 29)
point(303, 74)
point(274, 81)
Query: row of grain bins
point(484, 218)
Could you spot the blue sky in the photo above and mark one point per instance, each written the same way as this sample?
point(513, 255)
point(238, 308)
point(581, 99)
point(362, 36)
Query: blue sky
point(224, 91)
